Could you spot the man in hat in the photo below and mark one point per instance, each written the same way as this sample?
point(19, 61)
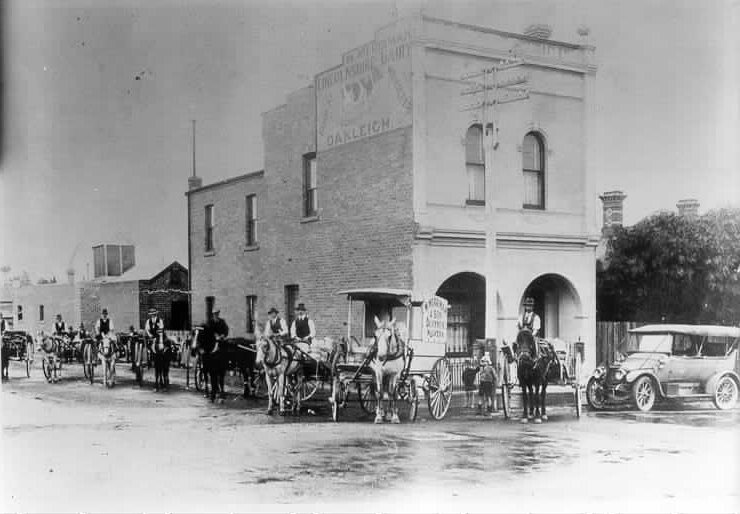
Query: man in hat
point(214, 360)
point(529, 319)
point(276, 325)
point(60, 327)
point(104, 326)
point(302, 330)
point(154, 324)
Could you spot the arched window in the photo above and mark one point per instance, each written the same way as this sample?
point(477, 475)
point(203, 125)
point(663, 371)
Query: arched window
point(474, 165)
point(533, 157)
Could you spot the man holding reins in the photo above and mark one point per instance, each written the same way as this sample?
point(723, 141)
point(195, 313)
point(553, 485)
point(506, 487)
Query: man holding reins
point(302, 330)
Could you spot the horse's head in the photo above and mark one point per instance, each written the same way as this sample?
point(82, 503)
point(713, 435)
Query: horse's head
point(262, 345)
point(107, 347)
point(386, 340)
point(49, 344)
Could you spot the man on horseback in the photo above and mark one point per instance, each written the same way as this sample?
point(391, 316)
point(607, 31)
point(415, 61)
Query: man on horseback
point(276, 326)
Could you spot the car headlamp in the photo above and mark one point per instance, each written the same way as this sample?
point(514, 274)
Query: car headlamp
point(619, 374)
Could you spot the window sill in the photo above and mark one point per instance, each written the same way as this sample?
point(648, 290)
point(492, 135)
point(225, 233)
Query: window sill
point(480, 203)
point(310, 219)
point(252, 248)
point(209, 253)
point(533, 207)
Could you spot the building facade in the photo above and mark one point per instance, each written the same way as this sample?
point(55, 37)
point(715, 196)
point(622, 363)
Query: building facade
point(379, 175)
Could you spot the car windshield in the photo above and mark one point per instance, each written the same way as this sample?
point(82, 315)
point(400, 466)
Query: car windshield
point(650, 343)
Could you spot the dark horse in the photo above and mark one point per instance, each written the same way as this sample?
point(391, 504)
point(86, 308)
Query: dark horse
point(161, 349)
point(534, 360)
point(240, 354)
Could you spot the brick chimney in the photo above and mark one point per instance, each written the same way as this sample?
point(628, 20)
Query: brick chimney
point(688, 207)
point(613, 206)
point(194, 182)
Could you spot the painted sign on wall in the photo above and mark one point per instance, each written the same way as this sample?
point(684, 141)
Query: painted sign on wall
point(434, 319)
point(369, 93)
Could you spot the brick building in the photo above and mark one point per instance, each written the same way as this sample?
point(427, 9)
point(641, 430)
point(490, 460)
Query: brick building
point(374, 176)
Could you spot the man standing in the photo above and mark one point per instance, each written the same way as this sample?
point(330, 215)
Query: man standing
point(529, 319)
point(302, 330)
point(214, 358)
point(276, 325)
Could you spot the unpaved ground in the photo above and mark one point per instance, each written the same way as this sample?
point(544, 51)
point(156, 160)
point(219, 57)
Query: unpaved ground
point(71, 446)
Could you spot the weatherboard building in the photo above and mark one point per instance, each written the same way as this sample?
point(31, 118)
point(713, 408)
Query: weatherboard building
point(381, 174)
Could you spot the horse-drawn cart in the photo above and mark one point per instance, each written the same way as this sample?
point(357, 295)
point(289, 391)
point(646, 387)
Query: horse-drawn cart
point(420, 328)
point(552, 359)
point(18, 345)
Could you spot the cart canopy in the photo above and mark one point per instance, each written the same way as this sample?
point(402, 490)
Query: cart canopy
point(693, 330)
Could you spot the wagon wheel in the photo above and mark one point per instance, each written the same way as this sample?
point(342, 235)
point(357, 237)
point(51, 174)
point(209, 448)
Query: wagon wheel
point(440, 389)
point(408, 396)
point(367, 396)
point(308, 387)
point(47, 369)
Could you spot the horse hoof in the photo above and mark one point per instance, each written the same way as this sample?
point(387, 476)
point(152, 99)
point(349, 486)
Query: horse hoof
point(378, 420)
point(395, 420)
point(544, 417)
point(524, 420)
point(537, 421)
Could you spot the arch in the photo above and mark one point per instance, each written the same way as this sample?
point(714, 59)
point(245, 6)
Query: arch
point(466, 319)
point(558, 304)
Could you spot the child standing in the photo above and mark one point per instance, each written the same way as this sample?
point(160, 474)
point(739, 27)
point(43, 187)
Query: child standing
point(468, 376)
point(487, 386)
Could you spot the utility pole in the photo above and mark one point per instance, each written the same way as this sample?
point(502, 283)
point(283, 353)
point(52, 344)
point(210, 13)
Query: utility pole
point(493, 87)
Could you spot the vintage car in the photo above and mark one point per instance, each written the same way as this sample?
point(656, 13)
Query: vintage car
point(687, 362)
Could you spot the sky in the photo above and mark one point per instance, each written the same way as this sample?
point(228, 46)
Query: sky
point(98, 97)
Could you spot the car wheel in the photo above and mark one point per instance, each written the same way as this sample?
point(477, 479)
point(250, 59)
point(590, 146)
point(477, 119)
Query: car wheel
point(595, 394)
point(725, 393)
point(643, 393)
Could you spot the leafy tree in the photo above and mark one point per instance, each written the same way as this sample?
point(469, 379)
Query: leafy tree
point(673, 268)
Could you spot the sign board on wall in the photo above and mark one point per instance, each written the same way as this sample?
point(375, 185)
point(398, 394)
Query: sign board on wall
point(434, 320)
point(369, 93)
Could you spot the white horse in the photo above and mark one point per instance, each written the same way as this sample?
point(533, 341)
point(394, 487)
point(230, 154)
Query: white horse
point(387, 364)
point(280, 362)
point(107, 352)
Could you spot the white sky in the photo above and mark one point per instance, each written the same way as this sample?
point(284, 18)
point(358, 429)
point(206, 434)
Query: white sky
point(90, 153)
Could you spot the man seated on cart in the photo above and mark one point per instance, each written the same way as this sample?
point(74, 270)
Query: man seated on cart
point(275, 326)
point(303, 329)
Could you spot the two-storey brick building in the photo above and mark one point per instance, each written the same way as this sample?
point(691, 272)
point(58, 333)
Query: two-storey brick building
point(376, 176)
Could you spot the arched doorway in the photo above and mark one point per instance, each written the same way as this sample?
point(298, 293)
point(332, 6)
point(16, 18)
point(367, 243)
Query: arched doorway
point(558, 305)
point(466, 319)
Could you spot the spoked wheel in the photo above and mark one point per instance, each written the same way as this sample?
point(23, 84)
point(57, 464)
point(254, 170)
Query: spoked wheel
point(307, 387)
point(506, 399)
point(200, 376)
point(643, 393)
point(407, 395)
point(725, 393)
point(595, 394)
point(46, 366)
point(439, 396)
point(368, 397)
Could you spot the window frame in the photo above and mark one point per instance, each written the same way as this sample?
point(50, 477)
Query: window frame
point(292, 292)
point(209, 227)
point(41, 313)
point(479, 164)
point(210, 304)
point(310, 194)
point(19, 313)
point(540, 173)
point(251, 314)
point(250, 228)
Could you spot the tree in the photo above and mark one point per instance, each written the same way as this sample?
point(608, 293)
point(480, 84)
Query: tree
point(673, 268)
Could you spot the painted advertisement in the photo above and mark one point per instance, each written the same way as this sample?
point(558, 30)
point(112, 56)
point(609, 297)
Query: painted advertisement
point(434, 320)
point(369, 93)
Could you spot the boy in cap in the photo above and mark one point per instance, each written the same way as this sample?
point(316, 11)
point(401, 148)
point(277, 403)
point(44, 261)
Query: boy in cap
point(529, 319)
point(486, 392)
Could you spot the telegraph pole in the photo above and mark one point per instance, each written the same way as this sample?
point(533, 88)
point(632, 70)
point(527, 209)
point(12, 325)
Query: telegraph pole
point(492, 89)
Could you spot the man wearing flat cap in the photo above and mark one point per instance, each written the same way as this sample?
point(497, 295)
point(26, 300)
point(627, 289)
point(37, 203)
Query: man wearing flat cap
point(529, 319)
point(276, 325)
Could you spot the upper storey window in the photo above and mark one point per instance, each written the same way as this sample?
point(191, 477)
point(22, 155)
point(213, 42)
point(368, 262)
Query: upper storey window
point(475, 165)
point(533, 156)
point(310, 196)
